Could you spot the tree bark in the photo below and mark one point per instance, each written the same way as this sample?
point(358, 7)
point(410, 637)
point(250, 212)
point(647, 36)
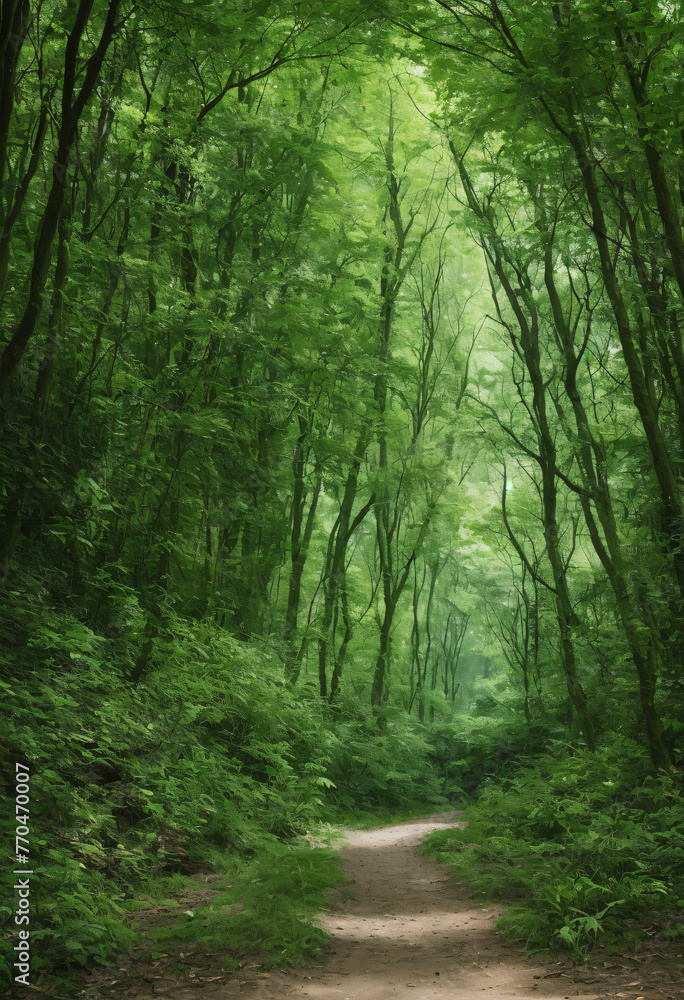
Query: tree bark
point(72, 108)
point(592, 461)
point(299, 542)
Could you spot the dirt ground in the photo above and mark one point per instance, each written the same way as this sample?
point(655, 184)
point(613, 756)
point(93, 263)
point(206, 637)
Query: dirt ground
point(410, 932)
point(413, 932)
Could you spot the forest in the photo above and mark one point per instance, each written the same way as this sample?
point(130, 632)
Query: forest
point(341, 444)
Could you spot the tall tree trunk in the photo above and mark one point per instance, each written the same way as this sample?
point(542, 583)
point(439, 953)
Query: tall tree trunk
point(593, 463)
point(299, 542)
point(527, 348)
point(72, 108)
point(337, 550)
point(662, 463)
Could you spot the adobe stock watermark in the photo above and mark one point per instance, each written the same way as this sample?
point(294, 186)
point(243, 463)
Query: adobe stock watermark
point(22, 851)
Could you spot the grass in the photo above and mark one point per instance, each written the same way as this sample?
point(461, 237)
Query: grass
point(368, 819)
point(270, 909)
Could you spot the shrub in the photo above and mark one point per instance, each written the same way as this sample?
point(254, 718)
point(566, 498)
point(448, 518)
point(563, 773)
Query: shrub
point(583, 844)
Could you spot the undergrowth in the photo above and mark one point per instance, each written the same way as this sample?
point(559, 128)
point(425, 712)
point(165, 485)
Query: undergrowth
point(269, 910)
point(206, 760)
point(582, 846)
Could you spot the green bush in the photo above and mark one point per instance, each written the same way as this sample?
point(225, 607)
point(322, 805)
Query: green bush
point(282, 890)
point(584, 844)
point(206, 755)
point(386, 768)
point(207, 758)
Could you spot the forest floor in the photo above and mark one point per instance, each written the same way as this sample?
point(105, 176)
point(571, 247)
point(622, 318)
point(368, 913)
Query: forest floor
point(410, 931)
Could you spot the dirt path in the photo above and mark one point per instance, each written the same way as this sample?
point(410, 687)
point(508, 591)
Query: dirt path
point(412, 932)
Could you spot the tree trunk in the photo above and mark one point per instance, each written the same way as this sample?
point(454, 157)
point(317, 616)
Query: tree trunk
point(72, 109)
point(592, 461)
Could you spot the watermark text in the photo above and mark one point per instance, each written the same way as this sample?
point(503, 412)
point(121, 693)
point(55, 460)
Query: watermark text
point(22, 850)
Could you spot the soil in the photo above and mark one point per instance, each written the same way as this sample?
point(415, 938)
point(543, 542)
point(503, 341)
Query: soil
point(410, 932)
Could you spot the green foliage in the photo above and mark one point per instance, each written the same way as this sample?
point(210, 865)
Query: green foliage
point(472, 750)
point(208, 760)
point(340, 445)
point(271, 908)
point(205, 757)
point(390, 770)
point(586, 845)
